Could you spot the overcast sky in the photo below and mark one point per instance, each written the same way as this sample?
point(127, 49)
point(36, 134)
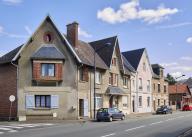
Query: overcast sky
point(164, 27)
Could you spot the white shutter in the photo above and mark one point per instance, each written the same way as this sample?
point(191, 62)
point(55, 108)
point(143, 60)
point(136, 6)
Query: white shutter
point(30, 101)
point(54, 101)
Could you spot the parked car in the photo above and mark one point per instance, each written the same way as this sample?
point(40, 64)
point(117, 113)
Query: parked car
point(187, 108)
point(109, 114)
point(164, 110)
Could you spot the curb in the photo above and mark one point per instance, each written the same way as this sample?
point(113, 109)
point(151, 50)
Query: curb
point(188, 133)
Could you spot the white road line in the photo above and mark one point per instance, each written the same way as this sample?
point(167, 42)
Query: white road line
point(12, 131)
point(135, 128)
point(156, 123)
point(6, 129)
point(108, 135)
point(14, 127)
point(1, 132)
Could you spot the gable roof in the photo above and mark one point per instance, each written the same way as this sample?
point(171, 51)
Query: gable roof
point(7, 58)
point(48, 52)
point(86, 54)
point(127, 65)
point(105, 48)
point(179, 88)
point(48, 18)
point(134, 57)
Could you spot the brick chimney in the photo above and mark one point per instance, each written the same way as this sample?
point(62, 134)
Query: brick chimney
point(72, 34)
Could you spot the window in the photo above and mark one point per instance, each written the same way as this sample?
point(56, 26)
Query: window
point(113, 79)
point(165, 88)
point(48, 70)
point(148, 101)
point(114, 61)
point(154, 86)
point(164, 102)
point(159, 102)
point(125, 82)
point(133, 84)
point(140, 84)
point(148, 85)
point(48, 37)
point(144, 66)
point(140, 101)
point(99, 102)
point(42, 101)
point(83, 74)
point(125, 101)
point(98, 77)
point(159, 88)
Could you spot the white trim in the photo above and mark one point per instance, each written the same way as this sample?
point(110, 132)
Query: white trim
point(16, 56)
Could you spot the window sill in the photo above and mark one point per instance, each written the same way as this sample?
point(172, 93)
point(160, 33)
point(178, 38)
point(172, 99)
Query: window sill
point(125, 87)
point(41, 108)
point(81, 81)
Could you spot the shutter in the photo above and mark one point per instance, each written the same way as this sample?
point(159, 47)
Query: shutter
point(111, 79)
point(54, 101)
point(86, 76)
point(86, 113)
point(30, 101)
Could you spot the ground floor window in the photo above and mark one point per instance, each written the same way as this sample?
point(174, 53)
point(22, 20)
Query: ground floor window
point(125, 101)
point(43, 101)
point(140, 101)
point(99, 102)
point(164, 102)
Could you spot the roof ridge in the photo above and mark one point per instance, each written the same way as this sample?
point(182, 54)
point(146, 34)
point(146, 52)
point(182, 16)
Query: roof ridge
point(133, 50)
point(103, 39)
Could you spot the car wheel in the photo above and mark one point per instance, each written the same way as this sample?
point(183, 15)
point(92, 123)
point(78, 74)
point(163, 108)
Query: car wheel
point(110, 119)
point(123, 118)
point(98, 120)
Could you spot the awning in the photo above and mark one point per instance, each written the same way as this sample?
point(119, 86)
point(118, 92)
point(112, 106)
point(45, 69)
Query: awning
point(115, 91)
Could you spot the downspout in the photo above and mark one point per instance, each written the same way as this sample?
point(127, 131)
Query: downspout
point(17, 83)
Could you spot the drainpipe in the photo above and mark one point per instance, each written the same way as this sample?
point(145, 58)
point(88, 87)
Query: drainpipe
point(17, 78)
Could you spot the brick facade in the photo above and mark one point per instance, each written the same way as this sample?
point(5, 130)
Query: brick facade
point(8, 86)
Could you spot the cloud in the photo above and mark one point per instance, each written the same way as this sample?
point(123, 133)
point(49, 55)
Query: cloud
point(12, 2)
point(175, 25)
point(132, 11)
point(84, 33)
point(186, 58)
point(29, 31)
point(11, 35)
point(176, 74)
point(189, 40)
point(182, 68)
point(170, 64)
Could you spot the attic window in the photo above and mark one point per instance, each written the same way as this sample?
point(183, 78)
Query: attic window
point(48, 37)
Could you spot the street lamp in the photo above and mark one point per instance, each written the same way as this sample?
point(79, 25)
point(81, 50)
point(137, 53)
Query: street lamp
point(176, 88)
point(94, 92)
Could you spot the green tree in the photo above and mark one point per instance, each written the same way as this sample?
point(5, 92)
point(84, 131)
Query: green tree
point(171, 79)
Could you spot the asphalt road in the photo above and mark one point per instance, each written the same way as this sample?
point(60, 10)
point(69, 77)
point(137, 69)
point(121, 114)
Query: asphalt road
point(170, 125)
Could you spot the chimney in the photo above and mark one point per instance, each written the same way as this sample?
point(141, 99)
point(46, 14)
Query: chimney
point(72, 34)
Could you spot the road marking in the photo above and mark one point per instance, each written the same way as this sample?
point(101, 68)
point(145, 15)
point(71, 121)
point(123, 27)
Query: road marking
point(12, 131)
point(135, 128)
point(1, 132)
point(6, 129)
point(15, 127)
point(108, 135)
point(156, 123)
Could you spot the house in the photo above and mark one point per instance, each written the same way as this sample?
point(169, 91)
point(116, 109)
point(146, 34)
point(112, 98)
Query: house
point(52, 76)
point(141, 96)
point(159, 87)
point(179, 95)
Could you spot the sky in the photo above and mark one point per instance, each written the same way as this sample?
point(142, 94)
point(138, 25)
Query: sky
point(163, 27)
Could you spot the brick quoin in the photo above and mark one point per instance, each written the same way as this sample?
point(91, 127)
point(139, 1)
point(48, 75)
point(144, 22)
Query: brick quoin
point(8, 86)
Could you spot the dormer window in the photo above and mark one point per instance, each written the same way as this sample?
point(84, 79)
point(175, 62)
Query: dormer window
point(48, 70)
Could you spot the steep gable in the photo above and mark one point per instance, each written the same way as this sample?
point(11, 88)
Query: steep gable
point(134, 56)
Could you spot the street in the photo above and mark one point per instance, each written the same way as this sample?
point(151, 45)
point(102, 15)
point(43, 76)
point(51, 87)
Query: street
point(170, 125)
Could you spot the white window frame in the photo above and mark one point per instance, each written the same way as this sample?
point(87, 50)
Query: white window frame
point(98, 77)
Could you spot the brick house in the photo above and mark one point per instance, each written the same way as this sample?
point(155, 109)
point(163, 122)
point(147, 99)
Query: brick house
point(179, 95)
point(159, 87)
point(52, 75)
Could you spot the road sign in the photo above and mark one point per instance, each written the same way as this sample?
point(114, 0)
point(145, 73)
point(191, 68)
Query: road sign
point(12, 98)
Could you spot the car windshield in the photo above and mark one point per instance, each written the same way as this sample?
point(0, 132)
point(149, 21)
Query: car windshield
point(103, 110)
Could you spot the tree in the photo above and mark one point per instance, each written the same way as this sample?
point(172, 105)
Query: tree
point(171, 79)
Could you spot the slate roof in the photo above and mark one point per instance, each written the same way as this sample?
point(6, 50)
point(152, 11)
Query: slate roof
point(105, 48)
point(86, 54)
point(127, 65)
point(157, 66)
point(48, 52)
point(7, 58)
point(115, 91)
point(134, 56)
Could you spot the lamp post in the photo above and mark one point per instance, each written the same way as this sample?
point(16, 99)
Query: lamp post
point(94, 91)
point(176, 88)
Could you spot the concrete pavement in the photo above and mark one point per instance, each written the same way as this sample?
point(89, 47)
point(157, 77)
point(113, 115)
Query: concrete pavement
point(150, 126)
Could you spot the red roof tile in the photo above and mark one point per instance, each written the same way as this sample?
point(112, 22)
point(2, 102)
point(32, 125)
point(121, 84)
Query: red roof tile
point(180, 88)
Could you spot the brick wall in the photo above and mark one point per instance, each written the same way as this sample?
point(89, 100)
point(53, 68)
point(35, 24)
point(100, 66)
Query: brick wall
point(8, 86)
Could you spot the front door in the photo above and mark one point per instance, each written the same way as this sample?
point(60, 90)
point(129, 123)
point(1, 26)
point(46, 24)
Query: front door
point(154, 105)
point(83, 108)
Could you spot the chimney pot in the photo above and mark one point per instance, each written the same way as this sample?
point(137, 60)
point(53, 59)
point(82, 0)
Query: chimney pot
point(72, 33)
